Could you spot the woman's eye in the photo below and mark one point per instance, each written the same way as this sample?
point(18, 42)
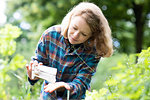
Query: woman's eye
point(83, 34)
point(74, 28)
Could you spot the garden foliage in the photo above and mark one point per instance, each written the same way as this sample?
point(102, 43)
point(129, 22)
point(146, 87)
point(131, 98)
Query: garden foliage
point(10, 62)
point(131, 80)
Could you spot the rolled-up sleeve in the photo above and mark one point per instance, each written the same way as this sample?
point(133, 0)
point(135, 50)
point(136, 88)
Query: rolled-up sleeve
point(82, 81)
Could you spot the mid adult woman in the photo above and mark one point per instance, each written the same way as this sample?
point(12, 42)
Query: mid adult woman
point(74, 48)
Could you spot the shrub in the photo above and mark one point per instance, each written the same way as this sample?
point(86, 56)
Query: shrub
point(131, 81)
point(10, 63)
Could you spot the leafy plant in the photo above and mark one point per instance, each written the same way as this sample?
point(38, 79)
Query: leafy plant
point(10, 63)
point(131, 81)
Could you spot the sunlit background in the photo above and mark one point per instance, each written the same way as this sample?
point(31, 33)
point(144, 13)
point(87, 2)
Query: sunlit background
point(3, 17)
point(22, 23)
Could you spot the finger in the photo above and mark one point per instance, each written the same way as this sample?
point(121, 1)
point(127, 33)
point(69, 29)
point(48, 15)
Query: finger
point(36, 62)
point(49, 85)
point(31, 63)
point(47, 89)
point(28, 71)
point(27, 66)
point(40, 63)
point(45, 86)
point(67, 86)
point(50, 89)
point(62, 84)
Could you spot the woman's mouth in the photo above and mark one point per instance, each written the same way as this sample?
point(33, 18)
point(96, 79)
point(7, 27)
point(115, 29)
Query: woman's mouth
point(73, 39)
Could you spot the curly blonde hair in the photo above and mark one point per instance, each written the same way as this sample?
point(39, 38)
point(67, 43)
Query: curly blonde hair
point(101, 32)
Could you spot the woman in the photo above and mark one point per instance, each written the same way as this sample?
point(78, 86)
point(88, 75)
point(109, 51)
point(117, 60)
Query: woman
point(74, 48)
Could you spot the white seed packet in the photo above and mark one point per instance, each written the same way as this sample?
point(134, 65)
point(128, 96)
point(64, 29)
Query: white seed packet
point(44, 72)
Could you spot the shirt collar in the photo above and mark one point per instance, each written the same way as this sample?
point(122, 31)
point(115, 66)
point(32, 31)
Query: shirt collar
point(74, 48)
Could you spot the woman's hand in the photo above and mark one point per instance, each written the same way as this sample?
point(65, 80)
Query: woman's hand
point(29, 69)
point(54, 86)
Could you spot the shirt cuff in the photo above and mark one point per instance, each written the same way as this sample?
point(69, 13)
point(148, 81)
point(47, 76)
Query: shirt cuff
point(32, 82)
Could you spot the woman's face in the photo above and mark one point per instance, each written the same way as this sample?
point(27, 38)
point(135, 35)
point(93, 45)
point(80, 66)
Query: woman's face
point(79, 31)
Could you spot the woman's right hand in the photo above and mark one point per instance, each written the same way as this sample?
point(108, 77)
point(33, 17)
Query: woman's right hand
point(29, 68)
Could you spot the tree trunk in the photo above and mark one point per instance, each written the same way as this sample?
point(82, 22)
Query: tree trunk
point(139, 25)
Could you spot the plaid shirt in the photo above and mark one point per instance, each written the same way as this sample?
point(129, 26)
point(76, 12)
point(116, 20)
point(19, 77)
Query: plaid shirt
point(72, 64)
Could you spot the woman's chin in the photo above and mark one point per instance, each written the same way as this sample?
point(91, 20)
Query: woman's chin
point(72, 42)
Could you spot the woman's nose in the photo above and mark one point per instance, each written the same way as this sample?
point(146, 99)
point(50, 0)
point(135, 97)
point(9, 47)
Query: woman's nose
point(76, 34)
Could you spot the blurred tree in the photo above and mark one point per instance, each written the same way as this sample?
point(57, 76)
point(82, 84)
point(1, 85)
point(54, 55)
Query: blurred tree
point(33, 17)
point(40, 13)
point(128, 19)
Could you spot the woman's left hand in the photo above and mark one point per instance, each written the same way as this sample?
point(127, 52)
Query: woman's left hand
point(54, 86)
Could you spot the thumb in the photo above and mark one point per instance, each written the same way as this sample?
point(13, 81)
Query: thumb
point(40, 63)
point(27, 66)
point(66, 85)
